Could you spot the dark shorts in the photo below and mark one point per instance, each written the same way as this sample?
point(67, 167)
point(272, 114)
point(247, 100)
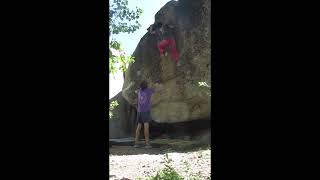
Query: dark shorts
point(143, 117)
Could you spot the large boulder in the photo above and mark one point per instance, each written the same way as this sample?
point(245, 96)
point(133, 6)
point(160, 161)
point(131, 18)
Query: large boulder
point(121, 124)
point(182, 99)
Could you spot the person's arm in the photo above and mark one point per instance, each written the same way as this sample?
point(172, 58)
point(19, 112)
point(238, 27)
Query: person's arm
point(128, 87)
point(158, 87)
point(136, 103)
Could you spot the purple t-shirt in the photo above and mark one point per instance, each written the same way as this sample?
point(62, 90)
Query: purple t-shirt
point(144, 99)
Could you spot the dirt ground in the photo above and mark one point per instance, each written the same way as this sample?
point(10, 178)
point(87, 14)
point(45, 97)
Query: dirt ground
point(127, 162)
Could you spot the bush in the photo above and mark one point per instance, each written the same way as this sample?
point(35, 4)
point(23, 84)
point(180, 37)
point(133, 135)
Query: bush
point(168, 173)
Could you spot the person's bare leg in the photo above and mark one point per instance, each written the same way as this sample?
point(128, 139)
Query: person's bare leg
point(146, 133)
point(136, 140)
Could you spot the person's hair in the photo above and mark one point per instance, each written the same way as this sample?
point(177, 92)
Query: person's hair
point(143, 85)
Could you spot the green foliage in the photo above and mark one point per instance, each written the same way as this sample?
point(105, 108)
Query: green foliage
point(121, 59)
point(112, 105)
point(120, 17)
point(168, 173)
point(121, 20)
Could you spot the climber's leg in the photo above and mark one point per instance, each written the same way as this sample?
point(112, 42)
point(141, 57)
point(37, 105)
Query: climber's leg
point(161, 50)
point(146, 133)
point(136, 139)
point(162, 46)
point(174, 51)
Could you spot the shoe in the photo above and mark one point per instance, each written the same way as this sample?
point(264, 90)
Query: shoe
point(148, 146)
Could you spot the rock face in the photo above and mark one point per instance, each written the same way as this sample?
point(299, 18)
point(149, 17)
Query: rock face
point(121, 123)
point(182, 98)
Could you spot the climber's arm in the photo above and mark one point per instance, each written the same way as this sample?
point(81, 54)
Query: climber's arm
point(158, 87)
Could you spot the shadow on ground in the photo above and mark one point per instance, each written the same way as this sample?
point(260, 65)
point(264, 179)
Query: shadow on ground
point(159, 146)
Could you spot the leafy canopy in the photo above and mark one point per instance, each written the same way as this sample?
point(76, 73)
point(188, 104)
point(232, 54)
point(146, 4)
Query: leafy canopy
point(122, 19)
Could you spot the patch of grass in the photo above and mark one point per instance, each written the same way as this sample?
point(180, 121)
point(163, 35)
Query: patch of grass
point(168, 173)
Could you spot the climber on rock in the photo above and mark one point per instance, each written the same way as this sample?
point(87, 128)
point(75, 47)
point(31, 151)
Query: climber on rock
point(165, 37)
point(143, 110)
